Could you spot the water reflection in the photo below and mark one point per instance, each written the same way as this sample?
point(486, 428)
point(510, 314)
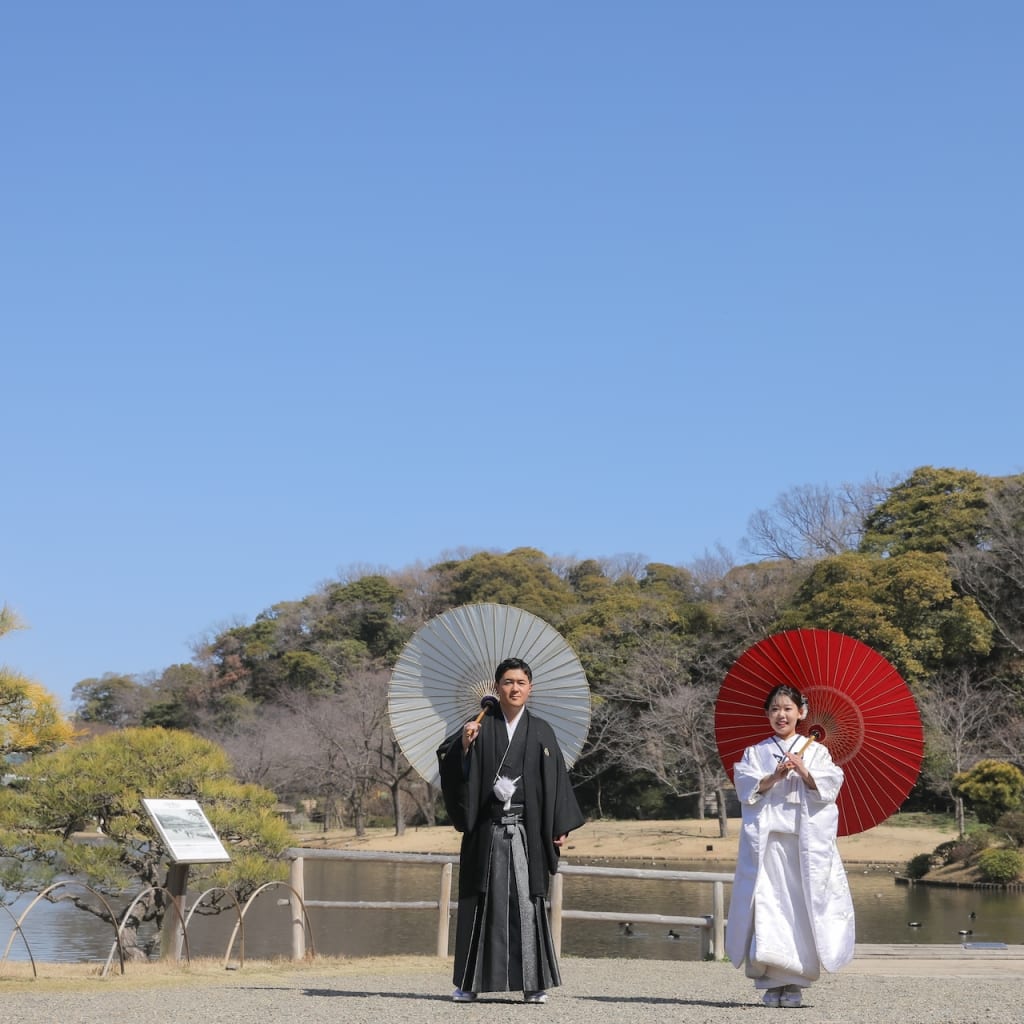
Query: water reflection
point(55, 933)
point(884, 911)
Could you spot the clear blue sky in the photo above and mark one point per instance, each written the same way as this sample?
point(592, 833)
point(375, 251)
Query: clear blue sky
point(287, 289)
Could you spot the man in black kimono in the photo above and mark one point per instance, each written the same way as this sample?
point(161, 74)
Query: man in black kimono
point(506, 788)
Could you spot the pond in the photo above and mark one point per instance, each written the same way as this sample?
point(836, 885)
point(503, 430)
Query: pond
point(887, 912)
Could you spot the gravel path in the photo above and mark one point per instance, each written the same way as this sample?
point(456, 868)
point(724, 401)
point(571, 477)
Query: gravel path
point(595, 991)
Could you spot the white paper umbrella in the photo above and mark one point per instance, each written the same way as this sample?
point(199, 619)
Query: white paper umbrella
point(448, 666)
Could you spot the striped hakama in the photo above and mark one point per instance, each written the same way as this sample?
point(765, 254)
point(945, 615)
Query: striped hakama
point(504, 936)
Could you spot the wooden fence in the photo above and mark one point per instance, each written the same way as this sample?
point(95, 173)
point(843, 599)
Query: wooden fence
point(711, 926)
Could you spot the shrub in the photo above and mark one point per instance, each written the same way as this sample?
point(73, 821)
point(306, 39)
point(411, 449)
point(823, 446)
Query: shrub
point(963, 851)
point(946, 853)
point(1001, 865)
point(919, 866)
point(991, 788)
point(1011, 825)
point(978, 838)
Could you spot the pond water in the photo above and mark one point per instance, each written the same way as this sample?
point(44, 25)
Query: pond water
point(884, 909)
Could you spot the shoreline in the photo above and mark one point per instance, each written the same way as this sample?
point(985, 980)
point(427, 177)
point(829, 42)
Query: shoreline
point(693, 840)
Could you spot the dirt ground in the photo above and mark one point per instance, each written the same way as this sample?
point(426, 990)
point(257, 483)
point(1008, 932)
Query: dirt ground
point(893, 842)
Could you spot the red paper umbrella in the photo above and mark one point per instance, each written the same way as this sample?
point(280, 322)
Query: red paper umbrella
point(859, 707)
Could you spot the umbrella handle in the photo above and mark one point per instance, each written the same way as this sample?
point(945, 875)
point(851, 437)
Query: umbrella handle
point(487, 703)
point(801, 751)
point(809, 741)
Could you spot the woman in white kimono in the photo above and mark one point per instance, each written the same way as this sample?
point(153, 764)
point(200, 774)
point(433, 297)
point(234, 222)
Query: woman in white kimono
point(791, 913)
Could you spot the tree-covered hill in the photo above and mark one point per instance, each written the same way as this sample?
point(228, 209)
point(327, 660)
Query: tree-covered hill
point(928, 570)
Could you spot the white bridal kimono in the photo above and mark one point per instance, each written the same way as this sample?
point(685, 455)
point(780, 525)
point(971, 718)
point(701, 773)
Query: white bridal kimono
point(791, 913)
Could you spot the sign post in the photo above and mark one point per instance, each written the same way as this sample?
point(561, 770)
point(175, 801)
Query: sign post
point(189, 839)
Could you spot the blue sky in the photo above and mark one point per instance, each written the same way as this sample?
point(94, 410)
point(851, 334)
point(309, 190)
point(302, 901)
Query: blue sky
point(289, 289)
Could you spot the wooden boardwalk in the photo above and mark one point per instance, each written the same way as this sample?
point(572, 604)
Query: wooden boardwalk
point(947, 960)
point(931, 951)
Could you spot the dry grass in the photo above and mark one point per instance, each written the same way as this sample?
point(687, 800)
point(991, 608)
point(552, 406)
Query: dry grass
point(694, 840)
point(154, 974)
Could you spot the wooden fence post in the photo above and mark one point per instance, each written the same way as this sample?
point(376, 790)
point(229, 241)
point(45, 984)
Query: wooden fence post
point(173, 934)
point(557, 892)
point(718, 913)
point(296, 876)
point(443, 912)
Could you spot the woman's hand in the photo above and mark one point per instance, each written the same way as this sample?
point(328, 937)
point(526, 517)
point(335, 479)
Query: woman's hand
point(781, 771)
point(795, 762)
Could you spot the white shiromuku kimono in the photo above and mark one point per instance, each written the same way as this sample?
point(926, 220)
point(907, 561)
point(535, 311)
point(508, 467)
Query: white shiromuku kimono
point(791, 913)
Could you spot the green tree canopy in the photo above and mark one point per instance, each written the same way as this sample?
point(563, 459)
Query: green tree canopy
point(905, 607)
point(932, 510)
point(369, 610)
point(991, 788)
point(113, 699)
point(522, 577)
